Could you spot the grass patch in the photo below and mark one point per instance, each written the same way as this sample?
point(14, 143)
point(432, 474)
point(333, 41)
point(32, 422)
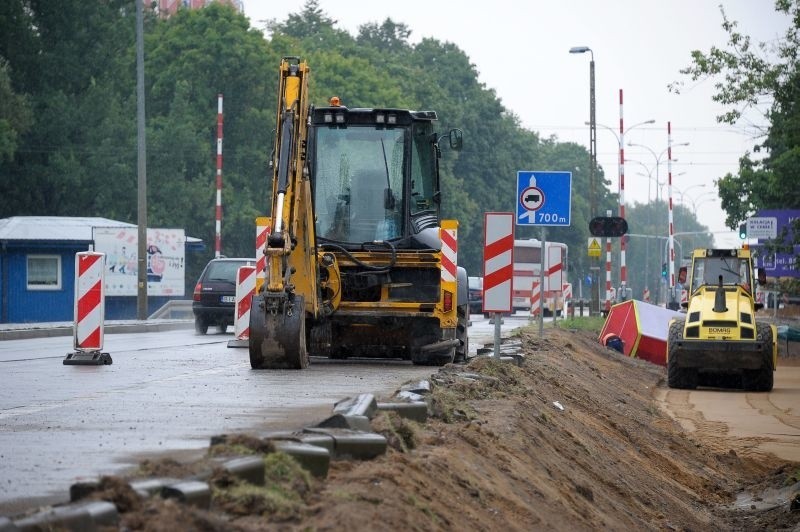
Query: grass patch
point(400, 433)
point(449, 406)
point(272, 500)
point(585, 323)
point(283, 497)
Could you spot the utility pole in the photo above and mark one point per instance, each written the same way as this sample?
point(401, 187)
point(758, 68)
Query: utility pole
point(141, 167)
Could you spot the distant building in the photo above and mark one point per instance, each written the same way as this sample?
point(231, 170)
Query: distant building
point(37, 268)
point(170, 7)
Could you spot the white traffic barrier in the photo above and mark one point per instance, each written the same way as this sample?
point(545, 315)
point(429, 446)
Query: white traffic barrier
point(245, 290)
point(89, 311)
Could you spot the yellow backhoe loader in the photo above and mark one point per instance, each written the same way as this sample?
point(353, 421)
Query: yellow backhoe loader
point(358, 260)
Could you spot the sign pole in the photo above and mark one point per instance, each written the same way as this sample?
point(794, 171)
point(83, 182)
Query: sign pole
point(542, 291)
point(498, 318)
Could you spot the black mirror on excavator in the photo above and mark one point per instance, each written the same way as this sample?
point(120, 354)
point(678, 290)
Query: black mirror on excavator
point(762, 276)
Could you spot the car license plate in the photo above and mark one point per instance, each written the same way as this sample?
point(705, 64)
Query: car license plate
point(228, 299)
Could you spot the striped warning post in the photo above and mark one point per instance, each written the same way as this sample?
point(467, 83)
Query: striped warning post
point(245, 289)
point(566, 289)
point(536, 295)
point(498, 269)
point(449, 237)
point(89, 310)
point(262, 232)
point(89, 301)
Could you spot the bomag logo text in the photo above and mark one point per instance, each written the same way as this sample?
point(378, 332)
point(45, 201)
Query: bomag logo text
point(719, 330)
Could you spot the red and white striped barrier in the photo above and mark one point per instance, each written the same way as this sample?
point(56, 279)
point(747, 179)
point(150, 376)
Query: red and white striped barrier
point(449, 236)
point(536, 296)
point(498, 269)
point(262, 232)
point(89, 310)
point(245, 290)
point(566, 291)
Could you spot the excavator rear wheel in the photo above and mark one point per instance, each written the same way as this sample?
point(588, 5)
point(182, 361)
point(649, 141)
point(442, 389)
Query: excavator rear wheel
point(278, 341)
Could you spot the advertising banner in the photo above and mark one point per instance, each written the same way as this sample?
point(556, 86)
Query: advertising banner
point(166, 265)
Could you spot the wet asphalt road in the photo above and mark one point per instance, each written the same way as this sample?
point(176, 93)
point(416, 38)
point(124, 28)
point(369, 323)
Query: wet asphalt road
point(165, 391)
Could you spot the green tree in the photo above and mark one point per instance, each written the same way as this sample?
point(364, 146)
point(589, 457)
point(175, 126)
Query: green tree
point(15, 115)
point(747, 79)
point(68, 59)
point(191, 58)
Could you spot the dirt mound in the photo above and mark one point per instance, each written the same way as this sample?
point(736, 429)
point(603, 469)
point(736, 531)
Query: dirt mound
point(571, 440)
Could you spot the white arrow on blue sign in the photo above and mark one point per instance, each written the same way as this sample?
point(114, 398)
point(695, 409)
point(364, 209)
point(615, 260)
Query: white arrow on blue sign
point(544, 198)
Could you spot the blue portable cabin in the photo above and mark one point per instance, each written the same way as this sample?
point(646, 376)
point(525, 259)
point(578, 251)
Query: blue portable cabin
point(37, 268)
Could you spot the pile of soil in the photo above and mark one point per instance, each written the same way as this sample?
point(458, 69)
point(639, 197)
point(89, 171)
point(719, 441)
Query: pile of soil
point(572, 439)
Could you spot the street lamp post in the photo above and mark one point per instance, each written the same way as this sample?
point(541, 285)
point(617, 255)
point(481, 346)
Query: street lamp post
point(595, 308)
point(683, 193)
point(141, 170)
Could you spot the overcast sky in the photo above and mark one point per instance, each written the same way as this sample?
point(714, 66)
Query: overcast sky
point(521, 50)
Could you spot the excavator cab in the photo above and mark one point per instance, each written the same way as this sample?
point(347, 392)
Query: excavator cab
point(374, 174)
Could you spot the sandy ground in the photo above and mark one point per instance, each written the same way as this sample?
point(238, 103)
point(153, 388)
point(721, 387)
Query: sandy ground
point(752, 423)
point(574, 439)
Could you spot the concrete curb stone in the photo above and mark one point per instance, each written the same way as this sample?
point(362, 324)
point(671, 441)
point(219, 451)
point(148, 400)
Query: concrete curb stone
point(83, 517)
point(415, 411)
point(353, 444)
point(149, 487)
point(314, 459)
point(248, 468)
point(342, 421)
point(191, 492)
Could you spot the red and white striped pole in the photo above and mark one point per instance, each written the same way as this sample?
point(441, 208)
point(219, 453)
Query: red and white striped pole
point(218, 211)
point(89, 310)
point(609, 288)
point(671, 258)
point(623, 270)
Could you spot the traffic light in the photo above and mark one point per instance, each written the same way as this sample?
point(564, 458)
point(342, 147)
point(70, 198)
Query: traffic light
point(608, 226)
point(743, 231)
point(664, 270)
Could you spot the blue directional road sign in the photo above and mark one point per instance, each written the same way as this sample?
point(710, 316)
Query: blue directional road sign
point(544, 198)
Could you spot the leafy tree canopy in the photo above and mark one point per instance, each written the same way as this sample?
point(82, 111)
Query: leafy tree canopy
point(68, 107)
point(755, 76)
